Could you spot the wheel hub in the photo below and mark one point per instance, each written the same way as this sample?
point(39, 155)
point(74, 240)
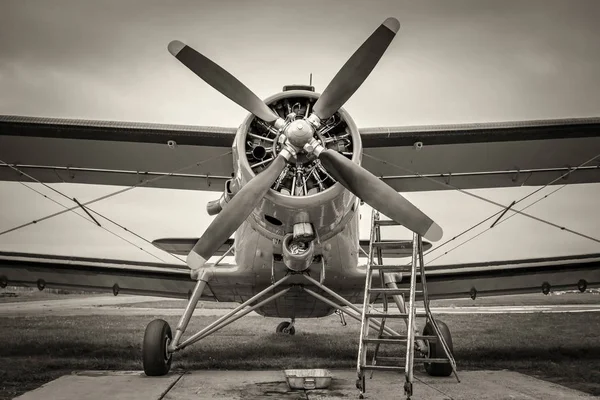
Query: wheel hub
point(167, 353)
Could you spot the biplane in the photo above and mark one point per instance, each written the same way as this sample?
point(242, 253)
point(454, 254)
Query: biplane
point(288, 182)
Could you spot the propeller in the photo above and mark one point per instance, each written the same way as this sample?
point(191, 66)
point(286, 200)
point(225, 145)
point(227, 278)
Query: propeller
point(356, 70)
point(352, 176)
point(378, 194)
point(235, 213)
point(222, 80)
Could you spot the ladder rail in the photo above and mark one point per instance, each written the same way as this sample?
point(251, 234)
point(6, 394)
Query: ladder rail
point(410, 343)
point(364, 326)
point(407, 308)
point(379, 252)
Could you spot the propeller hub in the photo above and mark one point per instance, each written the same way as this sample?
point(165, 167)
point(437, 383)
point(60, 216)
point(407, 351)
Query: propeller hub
point(299, 132)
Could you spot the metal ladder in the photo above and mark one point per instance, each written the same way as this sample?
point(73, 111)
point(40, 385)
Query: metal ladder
point(387, 275)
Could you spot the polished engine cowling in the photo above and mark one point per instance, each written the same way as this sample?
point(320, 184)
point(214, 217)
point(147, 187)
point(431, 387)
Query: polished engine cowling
point(304, 184)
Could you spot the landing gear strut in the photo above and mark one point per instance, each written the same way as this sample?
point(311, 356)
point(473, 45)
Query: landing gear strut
point(159, 345)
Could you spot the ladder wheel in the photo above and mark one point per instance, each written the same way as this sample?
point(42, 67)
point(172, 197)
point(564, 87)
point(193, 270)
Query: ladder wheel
point(436, 350)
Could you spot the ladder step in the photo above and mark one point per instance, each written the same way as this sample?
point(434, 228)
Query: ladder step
point(386, 315)
point(388, 222)
point(394, 315)
point(431, 338)
point(391, 359)
point(398, 339)
point(416, 359)
point(385, 341)
point(393, 291)
point(392, 268)
point(392, 244)
point(381, 368)
point(432, 360)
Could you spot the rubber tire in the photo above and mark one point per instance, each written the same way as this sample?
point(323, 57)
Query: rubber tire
point(154, 348)
point(437, 351)
point(283, 326)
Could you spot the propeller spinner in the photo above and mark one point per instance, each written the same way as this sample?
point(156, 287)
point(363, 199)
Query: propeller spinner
point(299, 135)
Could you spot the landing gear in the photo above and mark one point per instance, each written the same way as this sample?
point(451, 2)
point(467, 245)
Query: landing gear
point(155, 349)
point(437, 351)
point(286, 328)
point(159, 344)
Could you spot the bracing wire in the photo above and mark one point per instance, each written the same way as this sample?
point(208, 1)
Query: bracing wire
point(499, 222)
point(434, 388)
point(83, 216)
point(497, 204)
point(87, 208)
point(120, 191)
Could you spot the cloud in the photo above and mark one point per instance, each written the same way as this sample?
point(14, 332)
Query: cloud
point(451, 62)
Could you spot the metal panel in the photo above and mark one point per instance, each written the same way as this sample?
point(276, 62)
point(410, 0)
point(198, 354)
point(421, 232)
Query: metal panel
point(511, 131)
point(116, 153)
point(467, 155)
point(116, 131)
point(481, 165)
point(116, 163)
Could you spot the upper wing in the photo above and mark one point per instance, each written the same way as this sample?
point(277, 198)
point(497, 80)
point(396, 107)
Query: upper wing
point(484, 155)
point(452, 156)
point(115, 153)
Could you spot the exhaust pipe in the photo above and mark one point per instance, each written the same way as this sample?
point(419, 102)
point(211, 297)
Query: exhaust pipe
point(216, 206)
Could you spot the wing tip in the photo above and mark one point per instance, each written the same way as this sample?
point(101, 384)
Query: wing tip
point(175, 47)
point(392, 24)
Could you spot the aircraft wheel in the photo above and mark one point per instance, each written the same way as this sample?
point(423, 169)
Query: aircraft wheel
point(437, 351)
point(156, 358)
point(285, 327)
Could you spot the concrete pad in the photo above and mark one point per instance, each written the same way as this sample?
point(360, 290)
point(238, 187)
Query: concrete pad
point(95, 385)
point(197, 385)
point(234, 385)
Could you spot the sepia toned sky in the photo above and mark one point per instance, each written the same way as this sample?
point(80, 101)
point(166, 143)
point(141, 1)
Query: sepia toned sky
point(451, 62)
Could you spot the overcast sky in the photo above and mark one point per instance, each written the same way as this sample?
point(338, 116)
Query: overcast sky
point(452, 62)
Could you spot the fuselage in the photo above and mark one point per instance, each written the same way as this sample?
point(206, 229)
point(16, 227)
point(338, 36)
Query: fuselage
point(305, 195)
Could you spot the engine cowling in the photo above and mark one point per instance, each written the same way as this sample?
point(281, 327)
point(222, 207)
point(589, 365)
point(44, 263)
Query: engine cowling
point(303, 184)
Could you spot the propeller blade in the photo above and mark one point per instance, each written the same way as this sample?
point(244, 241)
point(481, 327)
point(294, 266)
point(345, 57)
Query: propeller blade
point(356, 70)
point(221, 80)
point(234, 214)
point(379, 195)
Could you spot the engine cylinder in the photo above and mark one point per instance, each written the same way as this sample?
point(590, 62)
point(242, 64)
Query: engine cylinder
point(303, 184)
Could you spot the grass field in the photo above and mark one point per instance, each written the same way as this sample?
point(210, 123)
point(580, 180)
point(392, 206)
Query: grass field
point(538, 299)
point(562, 348)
